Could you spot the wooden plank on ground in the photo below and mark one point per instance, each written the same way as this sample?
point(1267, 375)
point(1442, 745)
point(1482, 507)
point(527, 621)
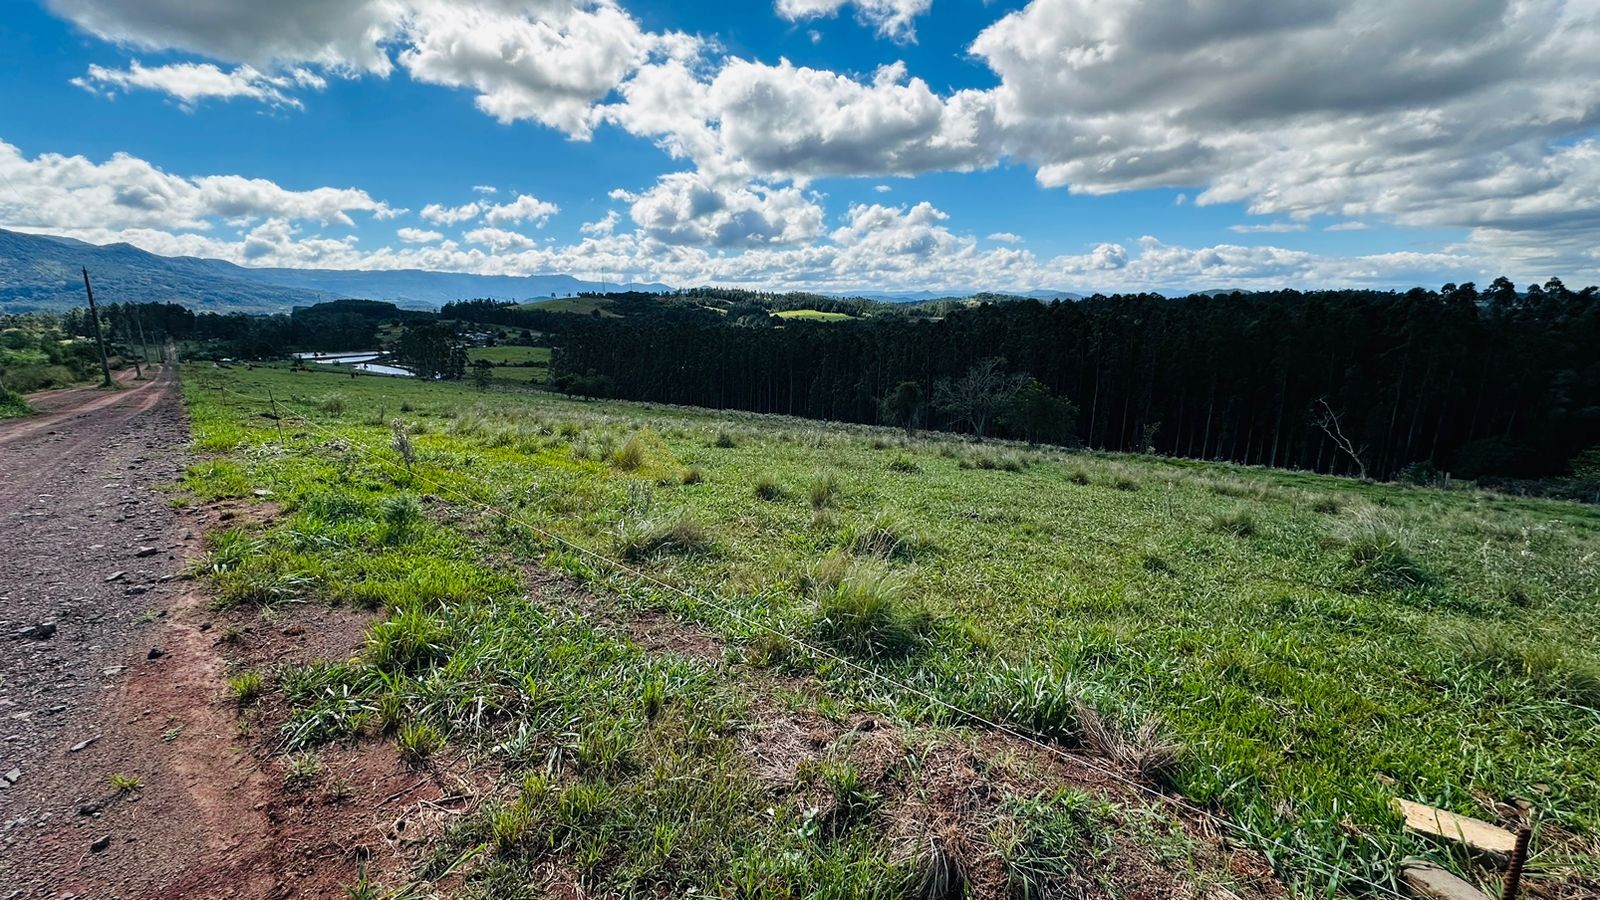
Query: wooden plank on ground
point(1475, 833)
point(1433, 882)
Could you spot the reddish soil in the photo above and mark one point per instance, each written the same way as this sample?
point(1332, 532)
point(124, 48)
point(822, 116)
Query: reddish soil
point(131, 681)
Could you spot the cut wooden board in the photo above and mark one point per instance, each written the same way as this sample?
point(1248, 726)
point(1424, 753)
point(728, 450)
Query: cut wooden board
point(1475, 833)
point(1425, 879)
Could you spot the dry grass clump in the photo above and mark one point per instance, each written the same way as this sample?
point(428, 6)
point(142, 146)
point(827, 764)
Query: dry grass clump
point(1145, 748)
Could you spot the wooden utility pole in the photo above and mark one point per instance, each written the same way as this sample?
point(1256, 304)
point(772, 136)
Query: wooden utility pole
point(144, 348)
point(99, 339)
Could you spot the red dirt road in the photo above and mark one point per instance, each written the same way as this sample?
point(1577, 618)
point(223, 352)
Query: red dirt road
point(111, 664)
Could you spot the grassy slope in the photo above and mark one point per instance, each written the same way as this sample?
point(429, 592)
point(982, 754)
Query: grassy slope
point(579, 305)
point(815, 314)
point(510, 354)
point(1310, 668)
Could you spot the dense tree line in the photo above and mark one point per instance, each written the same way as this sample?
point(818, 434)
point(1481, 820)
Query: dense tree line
point(1497, 382)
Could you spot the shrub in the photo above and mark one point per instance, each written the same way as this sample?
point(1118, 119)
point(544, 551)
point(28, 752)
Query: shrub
point(823, 490)
point(865, 615)
point(1326, 505)
point(692, 475)
point(768, 489)
point(1124, 483)
point(333, 405)
point(1079, 477)
point(724, 441)
point(400, 514)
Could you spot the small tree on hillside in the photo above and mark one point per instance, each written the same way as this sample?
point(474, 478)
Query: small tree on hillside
point(1040, 416)
point(481, 375)
point(978, 396)
point(903, 406)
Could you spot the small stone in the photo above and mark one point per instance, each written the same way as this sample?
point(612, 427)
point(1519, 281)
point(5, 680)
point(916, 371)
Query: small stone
point(155, 653)
point(146, 551)
point(13, 776)
point(205, 626)
point(136, 590)
point(43, 631)
point(115, 576)
point(82, 745)
point(101, 844)
point(111, 671)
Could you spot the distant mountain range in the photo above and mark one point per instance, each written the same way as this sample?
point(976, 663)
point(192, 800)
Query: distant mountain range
point(43, 272)
point(40, 272)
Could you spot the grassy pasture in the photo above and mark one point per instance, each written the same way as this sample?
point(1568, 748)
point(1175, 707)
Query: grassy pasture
point(510, 354)
point(579, 305)
point(815, 315)
point(1315, 646)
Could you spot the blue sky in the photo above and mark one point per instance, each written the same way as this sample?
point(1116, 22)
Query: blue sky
point(827, 144)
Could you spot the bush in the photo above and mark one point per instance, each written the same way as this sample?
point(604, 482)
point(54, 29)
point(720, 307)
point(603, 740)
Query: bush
point(692, 475)
point(400, 514)
point(1078, 477)
point(865, 615)
point(724, 441)
point(333, 405)
point(1124, 483)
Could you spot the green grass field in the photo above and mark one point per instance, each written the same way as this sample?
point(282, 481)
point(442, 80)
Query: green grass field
point(1315, 646)
point(580, 305)
point(815, 315)
point(510, 354)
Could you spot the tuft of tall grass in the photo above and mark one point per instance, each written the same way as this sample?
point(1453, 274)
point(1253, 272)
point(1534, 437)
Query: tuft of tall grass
point(419, 741)
point(245, 687)
point(1548, 669)
point(904, 465)
point(823, 490)
point(865, 614)
point(401, 514)
point(681, 533)
point(1145, 748)
point(768, 488)
point(886, 535)
point(1377, 554)
point(1237, 522)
